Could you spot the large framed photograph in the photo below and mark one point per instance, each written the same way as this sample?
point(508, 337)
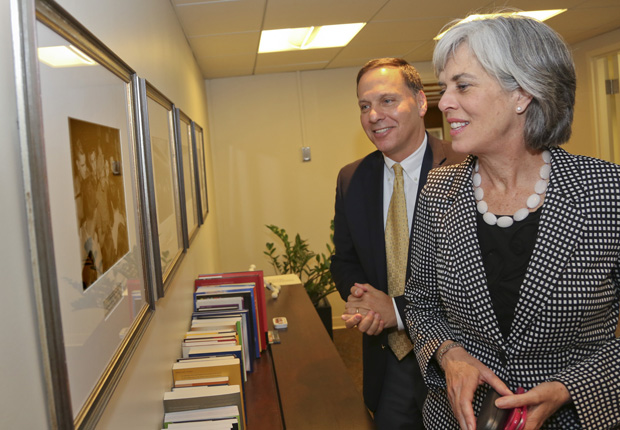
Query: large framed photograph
point(201, 167)
point(85, 193)
point(164, 196)
point(187, 170)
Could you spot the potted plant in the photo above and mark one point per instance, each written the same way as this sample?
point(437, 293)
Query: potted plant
point(311, 268)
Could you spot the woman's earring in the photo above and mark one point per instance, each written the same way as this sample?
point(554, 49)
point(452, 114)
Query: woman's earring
point(519, 108)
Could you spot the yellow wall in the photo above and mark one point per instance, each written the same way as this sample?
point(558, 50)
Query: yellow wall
point(258, 169)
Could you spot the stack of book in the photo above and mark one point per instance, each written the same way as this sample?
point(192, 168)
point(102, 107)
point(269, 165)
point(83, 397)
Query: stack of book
point(226, 334)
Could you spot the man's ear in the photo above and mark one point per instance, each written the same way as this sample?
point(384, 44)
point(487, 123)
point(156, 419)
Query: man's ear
point(420, 99)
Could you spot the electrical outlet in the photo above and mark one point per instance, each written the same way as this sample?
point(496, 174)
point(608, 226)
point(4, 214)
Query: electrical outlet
point(305, 153)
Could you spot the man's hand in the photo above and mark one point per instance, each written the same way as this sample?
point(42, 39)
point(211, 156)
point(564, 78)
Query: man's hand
point(369, 309)
point(371, 323)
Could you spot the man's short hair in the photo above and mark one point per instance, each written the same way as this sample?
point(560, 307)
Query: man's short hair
point(409, 73)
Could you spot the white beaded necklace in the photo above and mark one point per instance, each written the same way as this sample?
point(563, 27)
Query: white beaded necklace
point(532, 201)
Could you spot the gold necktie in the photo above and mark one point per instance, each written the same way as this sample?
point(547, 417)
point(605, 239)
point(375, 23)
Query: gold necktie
point(396, 251)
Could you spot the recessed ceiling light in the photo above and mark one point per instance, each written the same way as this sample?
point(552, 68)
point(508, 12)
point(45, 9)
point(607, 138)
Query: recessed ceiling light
point(64, 56)
point(541, 15)
point(297, 39)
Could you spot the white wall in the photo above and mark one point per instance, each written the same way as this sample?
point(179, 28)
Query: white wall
point(147, 36)
point(22, 397)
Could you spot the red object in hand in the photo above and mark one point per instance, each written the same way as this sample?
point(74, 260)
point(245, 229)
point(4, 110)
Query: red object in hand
point(517, 417)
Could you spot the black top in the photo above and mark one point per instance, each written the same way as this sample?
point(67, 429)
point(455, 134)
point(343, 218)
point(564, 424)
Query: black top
point(506, 254)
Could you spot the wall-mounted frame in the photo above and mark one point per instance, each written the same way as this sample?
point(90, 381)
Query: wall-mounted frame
point(187, 175)
point(436, 132)
point(201, 168)
point(87, 223)
point(162, 175)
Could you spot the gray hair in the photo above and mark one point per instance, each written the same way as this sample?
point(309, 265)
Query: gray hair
point(522, 53)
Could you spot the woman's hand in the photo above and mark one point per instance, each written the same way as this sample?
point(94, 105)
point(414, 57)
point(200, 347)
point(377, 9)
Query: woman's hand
point(542, 401)
point(464, 374)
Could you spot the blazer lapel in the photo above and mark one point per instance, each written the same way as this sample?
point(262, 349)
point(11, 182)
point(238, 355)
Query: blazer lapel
point(427, 165)
point(555, 242)
point(461, 233)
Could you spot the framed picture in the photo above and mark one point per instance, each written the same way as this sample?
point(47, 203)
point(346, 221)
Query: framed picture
point(162, 174)
point(85, 193)
point(436, 132)
point(200, 164)
point(187, 171)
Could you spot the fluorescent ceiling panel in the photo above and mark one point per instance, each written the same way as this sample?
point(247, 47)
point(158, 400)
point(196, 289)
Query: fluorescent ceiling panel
point(295, 39)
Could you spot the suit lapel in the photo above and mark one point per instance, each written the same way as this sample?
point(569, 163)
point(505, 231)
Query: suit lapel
point(554, 233)
point(374, 206)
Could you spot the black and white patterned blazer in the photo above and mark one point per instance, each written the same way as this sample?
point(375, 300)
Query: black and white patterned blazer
point(568, 306)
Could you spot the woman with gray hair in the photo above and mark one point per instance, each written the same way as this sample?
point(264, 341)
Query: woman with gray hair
point(515, 283)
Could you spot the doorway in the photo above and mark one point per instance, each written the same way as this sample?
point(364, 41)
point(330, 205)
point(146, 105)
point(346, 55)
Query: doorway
point(607, 99)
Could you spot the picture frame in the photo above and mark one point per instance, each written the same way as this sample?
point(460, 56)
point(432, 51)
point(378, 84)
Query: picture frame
point(201, 177)
point(436, 132)
point(84, 183)
point(187, 176)
point(163, 185)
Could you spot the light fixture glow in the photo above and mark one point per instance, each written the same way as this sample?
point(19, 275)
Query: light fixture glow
point(64, 56)
point(540, 15)
point(295, 39)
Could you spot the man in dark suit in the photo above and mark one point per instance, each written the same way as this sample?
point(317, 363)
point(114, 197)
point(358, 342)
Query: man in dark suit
point(392, 108)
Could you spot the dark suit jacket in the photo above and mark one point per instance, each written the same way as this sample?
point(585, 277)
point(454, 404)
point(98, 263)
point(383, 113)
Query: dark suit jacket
point(360, 243)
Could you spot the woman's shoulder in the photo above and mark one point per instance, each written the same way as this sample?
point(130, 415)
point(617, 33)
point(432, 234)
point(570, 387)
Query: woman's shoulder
point(446, 178)
point(585, 169)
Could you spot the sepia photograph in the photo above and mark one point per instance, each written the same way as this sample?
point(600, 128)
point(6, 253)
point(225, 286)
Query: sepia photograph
point(99, 197)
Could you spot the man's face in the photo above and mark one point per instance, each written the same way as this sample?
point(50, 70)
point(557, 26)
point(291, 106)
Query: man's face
point(81, 165)
point(391, 115)
point(93, 162)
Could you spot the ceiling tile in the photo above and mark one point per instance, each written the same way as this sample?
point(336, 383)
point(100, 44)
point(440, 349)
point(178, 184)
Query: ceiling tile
point(200, 19)
point(447, 9)
point(186, 2)
point(580, 24)
point(222, 66)
point(305, 13)
point(296, 57)
point(398, 31)
point(225, 44)
point(536, 4)
point(290, 67)
point(375, 50)
point(423, 52)
point(348, 62)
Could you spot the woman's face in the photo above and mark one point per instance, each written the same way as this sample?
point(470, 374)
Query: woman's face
point(483, 117)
